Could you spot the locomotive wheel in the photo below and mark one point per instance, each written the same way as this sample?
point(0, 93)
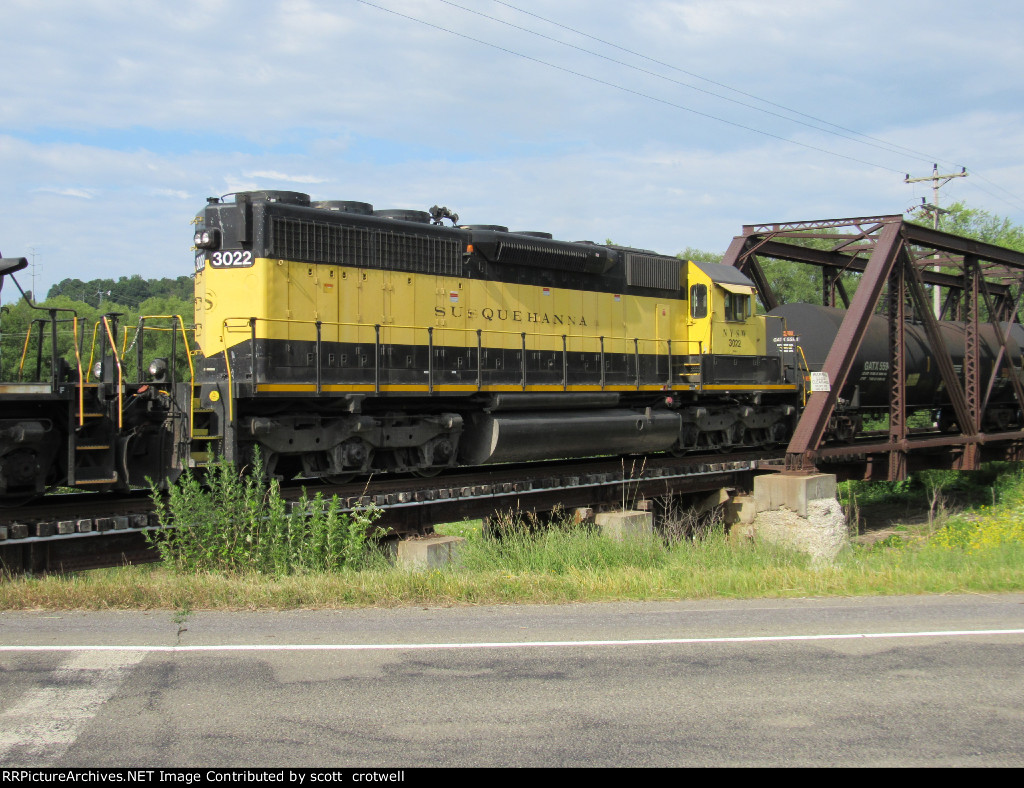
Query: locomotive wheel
point(427, 473)
point(338, 478)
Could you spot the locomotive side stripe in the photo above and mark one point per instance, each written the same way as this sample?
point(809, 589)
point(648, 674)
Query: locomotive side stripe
point(296, 388)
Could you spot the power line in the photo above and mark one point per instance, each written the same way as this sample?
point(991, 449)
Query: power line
point(629, 90)
point(893, 147)
point(936, 213)
point(873, 142)
point(1013, 202)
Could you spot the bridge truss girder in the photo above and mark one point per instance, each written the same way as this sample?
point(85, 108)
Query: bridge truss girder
point(896, 260)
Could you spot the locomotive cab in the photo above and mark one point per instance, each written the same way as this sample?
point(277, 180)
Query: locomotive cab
point(725, 335)
point(722, 317)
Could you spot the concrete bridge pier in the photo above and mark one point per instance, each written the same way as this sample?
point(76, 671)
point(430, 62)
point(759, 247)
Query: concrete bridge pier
point(798, 511)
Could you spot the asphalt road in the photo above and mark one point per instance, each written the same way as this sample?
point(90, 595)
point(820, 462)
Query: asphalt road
point(922, 681)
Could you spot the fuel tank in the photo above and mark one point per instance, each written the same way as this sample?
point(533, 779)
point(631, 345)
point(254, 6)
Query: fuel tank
point(815, 329)
point(523, 437)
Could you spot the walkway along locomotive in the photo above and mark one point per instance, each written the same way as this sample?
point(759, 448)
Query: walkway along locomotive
point(341, 341)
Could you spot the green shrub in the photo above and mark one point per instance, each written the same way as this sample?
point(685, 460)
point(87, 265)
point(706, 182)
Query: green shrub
point(239, 522)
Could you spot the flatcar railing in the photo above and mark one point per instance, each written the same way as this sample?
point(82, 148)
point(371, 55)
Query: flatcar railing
point(601, 345)
point(176, 328)
point(55, 333)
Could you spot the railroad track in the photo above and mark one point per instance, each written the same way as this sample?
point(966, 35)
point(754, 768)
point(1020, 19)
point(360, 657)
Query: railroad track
point(85, 531)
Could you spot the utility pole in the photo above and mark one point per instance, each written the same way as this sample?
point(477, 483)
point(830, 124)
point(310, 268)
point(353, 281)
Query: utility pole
point(936, 211)
point(32, 251)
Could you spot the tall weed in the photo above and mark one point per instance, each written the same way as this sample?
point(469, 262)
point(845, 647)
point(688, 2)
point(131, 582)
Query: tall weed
point(238, 521)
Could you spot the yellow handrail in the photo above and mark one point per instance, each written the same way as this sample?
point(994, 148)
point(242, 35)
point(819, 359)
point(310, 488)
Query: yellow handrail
point(24, 352)
point(807, 369)
point(488, 331)
point(81, 381)
point(179, 324)
point(120, 373)
point(92, 349)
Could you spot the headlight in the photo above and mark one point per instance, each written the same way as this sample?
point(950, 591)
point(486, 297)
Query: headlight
point(207, 239)
point(97, 370)
point(158, 368)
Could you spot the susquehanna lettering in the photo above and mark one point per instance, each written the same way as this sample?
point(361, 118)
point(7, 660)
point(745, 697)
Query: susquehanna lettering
point(511, 315)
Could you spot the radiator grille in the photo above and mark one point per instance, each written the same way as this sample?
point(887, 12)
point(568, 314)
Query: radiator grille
point(335, 244)
point(544, 256)
point(644, 270)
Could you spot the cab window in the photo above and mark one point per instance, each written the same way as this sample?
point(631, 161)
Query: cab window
point(698, 301)
point(737, 306)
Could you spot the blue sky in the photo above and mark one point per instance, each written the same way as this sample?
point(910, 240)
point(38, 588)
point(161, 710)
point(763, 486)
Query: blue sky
point(120, 118)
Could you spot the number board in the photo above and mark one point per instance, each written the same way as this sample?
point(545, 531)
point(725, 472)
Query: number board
point(230, 258)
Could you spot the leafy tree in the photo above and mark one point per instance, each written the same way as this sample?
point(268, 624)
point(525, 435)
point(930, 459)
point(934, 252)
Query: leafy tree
point(979, 224)
point(127, 290)
point(700, 255)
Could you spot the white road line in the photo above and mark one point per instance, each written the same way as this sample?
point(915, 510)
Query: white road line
point(521, 644)
point(42, 725)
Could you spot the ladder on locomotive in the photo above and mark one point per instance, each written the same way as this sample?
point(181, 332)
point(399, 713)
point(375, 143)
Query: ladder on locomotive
point(92, 439)
point(92, 443)
point(198, 432)
point(206, 438)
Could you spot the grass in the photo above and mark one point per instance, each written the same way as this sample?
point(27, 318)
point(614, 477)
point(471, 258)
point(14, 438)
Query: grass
point(515, 561)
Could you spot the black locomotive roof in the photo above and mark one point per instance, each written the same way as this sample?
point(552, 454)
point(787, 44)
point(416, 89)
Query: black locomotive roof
point(724, 274)
point(288, 225)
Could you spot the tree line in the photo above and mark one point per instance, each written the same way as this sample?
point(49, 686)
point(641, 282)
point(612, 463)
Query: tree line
point(127, 291)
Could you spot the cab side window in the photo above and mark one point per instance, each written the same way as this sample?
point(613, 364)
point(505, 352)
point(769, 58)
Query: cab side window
point(698, 302)
point(737, 306)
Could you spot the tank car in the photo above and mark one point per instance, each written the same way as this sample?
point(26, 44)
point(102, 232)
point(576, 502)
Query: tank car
point(341, 340)
point(814, 329)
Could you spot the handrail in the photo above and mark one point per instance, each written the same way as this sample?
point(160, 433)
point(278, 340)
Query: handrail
point(402, 327)
point(178, 323)
point(120, 372)
point(92, 349)
point(231, 385)
point(807, 369)
point(248, 324)
point(24, 352)
point(59, 333)
point(81, 381)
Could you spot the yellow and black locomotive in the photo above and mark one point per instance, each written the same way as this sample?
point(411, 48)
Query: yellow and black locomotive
point(340, 340)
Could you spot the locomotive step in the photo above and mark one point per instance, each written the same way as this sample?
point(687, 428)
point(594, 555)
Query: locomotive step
point(197, 437)
point(83, 482)
point(92, 447)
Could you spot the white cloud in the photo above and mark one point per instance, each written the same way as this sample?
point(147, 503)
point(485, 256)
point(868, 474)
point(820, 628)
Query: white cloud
point(272, 175)
point(129, 116)
point(85, 194)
